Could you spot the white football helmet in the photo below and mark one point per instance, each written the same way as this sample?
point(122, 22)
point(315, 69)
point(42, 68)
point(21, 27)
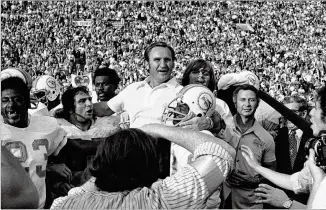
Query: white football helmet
point(14, 72)
point(45, 88)
point(194, 98)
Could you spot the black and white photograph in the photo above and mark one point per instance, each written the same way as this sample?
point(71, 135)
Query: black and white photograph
point(163, 104)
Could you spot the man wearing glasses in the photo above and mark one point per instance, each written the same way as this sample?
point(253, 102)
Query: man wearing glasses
point(289, 152)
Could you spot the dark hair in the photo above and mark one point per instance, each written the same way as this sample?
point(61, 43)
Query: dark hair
point(126, 160)
point(111, 73)
point(321, 97)
point(16, 84)
point(68, 102)
point(158, 44)
point(244, 87)
point(196, 65)
point(296, 99)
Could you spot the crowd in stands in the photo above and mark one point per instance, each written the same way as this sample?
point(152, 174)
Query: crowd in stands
point(286, 47)
point(182, 110)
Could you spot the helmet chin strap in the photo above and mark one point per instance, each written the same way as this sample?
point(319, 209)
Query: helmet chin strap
point(80, 116)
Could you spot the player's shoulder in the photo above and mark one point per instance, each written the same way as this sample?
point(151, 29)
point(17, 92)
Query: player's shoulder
point(45, 124)
point(107, 121)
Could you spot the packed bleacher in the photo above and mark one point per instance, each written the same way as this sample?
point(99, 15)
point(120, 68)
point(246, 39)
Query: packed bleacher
point(86, 87)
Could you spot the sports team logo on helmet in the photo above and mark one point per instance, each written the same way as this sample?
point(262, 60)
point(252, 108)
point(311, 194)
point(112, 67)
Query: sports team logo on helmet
point(45, 88)
point(194, 98)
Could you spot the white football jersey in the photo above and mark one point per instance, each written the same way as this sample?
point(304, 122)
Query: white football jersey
point(33, 145)
point(41, 110)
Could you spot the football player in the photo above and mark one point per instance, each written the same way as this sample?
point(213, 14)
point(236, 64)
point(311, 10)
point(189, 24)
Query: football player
point(84, 133)
point(29, 138)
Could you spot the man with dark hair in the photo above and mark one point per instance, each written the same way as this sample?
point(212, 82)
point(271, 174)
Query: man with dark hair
point(126, 171)
point(106, 82)
point(83, 132)
point(29, 138)
point(243, 180)
point(290, 157)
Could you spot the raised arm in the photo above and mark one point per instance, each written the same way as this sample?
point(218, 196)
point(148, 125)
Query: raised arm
point(281, 180)
point(188, 139)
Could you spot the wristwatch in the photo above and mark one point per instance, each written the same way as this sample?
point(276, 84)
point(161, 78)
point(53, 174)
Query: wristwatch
point(288, 203)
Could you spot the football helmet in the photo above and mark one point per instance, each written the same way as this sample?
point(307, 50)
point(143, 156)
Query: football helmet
point(194, 98)
point(45, 88)
point(14, 72)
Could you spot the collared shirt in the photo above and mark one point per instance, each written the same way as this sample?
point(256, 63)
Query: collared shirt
point(143, 103)
point(188, 188)
point(258, 139)
point(262, 145)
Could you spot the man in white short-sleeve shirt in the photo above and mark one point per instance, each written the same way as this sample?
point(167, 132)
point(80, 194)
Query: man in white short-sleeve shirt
point(144, 101)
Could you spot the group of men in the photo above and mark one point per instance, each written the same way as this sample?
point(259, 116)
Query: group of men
point(57, 151)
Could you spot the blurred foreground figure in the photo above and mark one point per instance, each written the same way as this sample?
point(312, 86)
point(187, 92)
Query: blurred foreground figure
point(17, 189)
point(126, 169)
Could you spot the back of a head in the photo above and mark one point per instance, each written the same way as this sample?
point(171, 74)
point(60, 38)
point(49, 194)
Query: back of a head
point(17, 189)
point(125, 161)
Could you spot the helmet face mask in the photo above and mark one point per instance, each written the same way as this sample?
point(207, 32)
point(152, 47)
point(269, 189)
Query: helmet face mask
point(45, 89)
point(193, 100)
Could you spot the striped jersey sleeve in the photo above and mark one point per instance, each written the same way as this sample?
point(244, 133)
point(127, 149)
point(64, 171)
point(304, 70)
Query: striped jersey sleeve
point(185, 189)
point(220, 156)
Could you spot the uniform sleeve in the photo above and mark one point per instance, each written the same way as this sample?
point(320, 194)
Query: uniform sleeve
point(269, 153)
point(58, 140)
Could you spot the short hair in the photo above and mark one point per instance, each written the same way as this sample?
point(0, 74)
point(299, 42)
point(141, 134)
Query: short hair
point(17, 84)
point(126, 160)
point(196, 65)
point(303, 104)
point(111, 73)
point(244, 87)
point(68, 102)
point(158, 44)
point(321, 97)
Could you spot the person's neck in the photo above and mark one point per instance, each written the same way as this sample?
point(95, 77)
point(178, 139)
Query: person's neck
point(84, 126)
point(245, 123)
point(23, 123)
point(153, 83)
